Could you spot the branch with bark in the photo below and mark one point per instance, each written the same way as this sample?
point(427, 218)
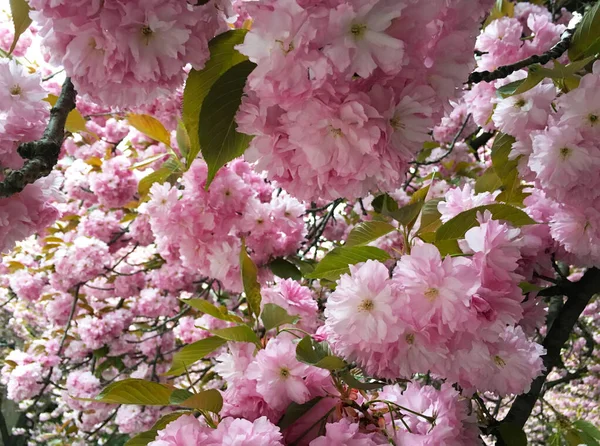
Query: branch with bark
point(578, 296)
point(506, 70)
point(42, 155)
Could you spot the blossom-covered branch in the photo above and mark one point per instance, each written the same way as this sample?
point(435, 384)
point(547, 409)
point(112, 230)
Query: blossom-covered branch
point(42, 155)
point(506, 70)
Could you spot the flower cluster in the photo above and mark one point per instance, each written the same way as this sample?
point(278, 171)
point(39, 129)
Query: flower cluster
point(345, 92)
point(126, 53)
point(203, 229)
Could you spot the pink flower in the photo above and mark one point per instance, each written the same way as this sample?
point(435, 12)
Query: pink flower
point(346, 433)
point(184, 431)
point(360, 309)
point(240, 432)
point(358, 41)
point(280, 377)
point(458, 200)
point(438, 290)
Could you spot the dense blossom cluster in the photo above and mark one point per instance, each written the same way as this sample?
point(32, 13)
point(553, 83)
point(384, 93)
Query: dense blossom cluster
point(126, 53)
point(349, 322)
point(23, 115)
point(345, 92)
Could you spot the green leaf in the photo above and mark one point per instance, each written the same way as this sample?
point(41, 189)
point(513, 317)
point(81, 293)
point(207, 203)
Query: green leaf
point(489, 181)
point(250, 281)
point(219, 140)
point(317, 354)
point(502, 8)
point(430, 217)
point(19, 9)
point(512, 434)
point(573, 438)
point(240, 333)
point(509, 89)
point(368, 231)
point(337, 262)
point(459, 225)
point(210, 400)
point(408, 214)
point(183, 140)
point(136, 391)
point(527, 287)
point(223, 56)
point(586, 39)
point(144, 438)
point(588, 429)
point(150, 127)
point(273, 316)
point(194, 352)
point(448, 247)
point(295, 411)
point(158, 176)
point(506, 170)
point(356, 384)
point(285, 269)
point(212, 310)
point(148, 161)
point(384, 204)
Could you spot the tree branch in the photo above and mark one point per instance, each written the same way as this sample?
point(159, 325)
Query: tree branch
point(506, 70)
point(41, 156)
point(578, 296)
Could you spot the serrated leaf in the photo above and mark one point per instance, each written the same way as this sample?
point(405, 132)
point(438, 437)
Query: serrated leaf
point(219, 140)
point(460, 224)
point(273, 316)
point(148, 161)
point(512, 434)
point(158, 176)
point(250, 280)
point(367, 232)
point(489, 181)
point(19, 10)
point(136, 391)
point(223, 56)
point(430, 217)
point(317, 354)
point(240, 333)
point(183, 139)
point(354, 383)
point(285, 269)
point(149, 436)
point(212, 310)
point(586, 39)
point(384, 204)
point(588, 428)
point(210, 400)
point(150, 127)
point(194, 352)
point(337, 262)
point(295, 411)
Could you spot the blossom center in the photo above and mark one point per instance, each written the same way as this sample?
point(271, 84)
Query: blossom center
point(358, 30)
point(565, 152)
point(432, 293)
point(520, 103)
point(335, 132)
point(284, 372)
point(366, 305)
point(397, 123)
point(499, 361)
point(147, 33)
point(285, 50)
point(16, 90)
point(593, 119)
point(410, 338)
